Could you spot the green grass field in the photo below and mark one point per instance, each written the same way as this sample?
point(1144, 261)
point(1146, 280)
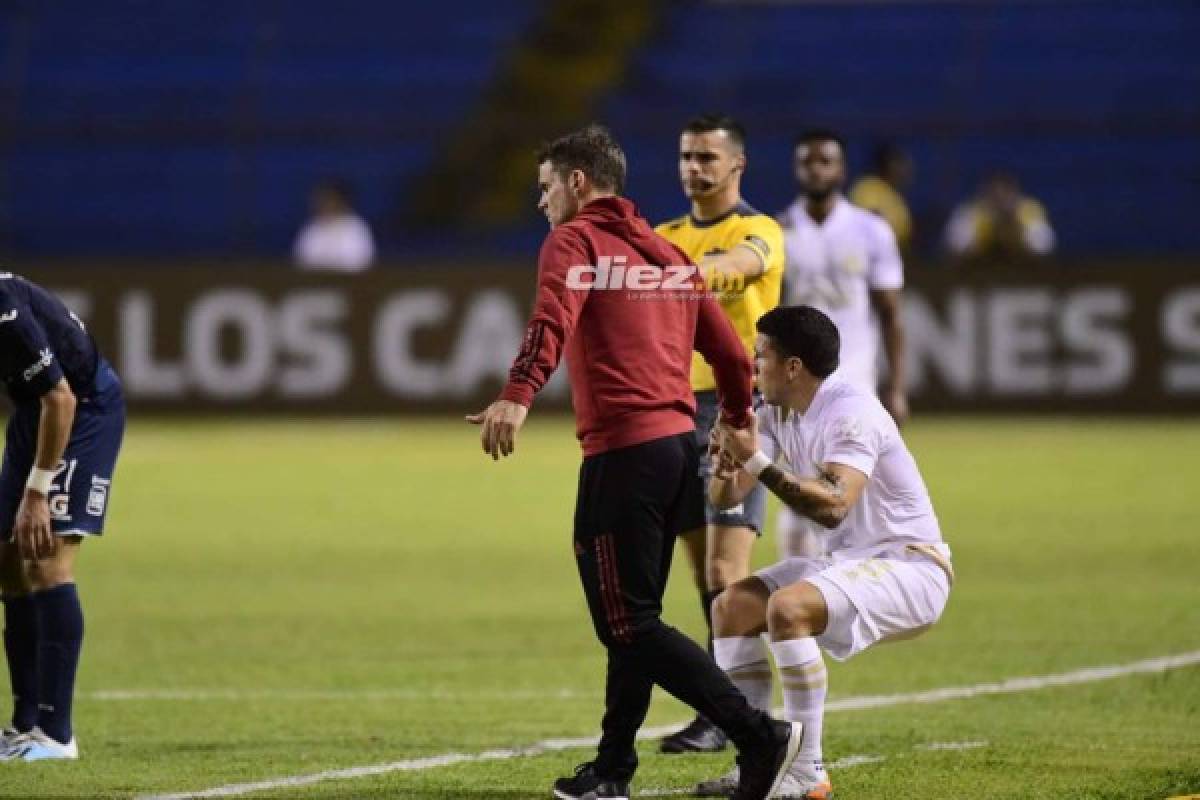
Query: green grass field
point(276, 599)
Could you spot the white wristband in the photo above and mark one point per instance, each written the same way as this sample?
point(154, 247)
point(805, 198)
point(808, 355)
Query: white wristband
point(40, 480)
point(757, 463)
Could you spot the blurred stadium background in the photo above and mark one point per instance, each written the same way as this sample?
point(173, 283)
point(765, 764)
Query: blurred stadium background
point(152, 154)
point(156, 164)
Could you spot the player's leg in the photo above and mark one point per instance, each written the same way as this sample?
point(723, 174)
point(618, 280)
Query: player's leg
point(766, 746)
point(20, 645)
point(846, 608)
point(627, 688)
point(741, 615)
point(622, 551)
point(20, 616)
point(700, 735)
point(60, 621)
point(739, 620)
point(731, 534)
point(796, 615)
point(695, 547)
point(79, 500)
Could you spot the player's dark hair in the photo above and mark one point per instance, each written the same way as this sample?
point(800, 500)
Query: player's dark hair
point(591, 150)
point(707, 123)
point(812, 135)
point(805, 333)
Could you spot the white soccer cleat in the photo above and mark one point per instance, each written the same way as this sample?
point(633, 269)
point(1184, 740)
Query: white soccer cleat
point(10, 739)
point(37, 746)
point(724, 786)
point(805, 781)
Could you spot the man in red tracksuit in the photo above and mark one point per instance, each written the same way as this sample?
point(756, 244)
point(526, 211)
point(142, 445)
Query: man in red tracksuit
point(628, 309)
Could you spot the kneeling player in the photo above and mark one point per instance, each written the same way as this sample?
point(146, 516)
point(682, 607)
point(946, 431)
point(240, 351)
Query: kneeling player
point(60, 449)
point(885, 572)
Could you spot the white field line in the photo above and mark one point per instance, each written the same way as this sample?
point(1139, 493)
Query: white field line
point(951, 746)
point(1009, 686)
point(119, 695)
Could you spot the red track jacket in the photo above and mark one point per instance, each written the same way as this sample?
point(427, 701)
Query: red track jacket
point(629, 344)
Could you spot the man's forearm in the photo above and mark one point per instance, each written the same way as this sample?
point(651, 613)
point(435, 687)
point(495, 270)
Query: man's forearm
point(821, 500)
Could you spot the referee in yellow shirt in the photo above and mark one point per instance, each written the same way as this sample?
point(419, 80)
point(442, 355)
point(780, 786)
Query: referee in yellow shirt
point(741, 254)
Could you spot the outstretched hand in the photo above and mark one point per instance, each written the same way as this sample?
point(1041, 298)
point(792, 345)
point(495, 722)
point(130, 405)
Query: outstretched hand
point(501, 421)
point(738, 444)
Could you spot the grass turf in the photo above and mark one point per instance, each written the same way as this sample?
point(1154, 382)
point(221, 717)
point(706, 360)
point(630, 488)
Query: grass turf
point(323, 595)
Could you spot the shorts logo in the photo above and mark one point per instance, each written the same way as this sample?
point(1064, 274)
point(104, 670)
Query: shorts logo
point(9, 316)
point(44, 359)
point(98, 496)
point(60, 505)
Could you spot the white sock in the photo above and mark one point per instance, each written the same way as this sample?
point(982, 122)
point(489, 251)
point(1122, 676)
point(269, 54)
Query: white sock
point(744, 660)
point(805, 683)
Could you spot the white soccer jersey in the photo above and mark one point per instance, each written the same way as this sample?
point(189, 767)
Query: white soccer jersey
point(833, 266)
point(847, 425)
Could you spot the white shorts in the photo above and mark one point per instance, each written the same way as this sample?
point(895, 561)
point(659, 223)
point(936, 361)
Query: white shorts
point(872, 600)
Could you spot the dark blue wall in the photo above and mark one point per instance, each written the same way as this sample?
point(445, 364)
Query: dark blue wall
point(196, 126)
point(187, 127)
point(1095, 105)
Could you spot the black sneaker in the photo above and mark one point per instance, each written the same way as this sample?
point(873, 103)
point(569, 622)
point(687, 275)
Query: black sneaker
point(587, 785)
point(700, 736)
point(763, 769)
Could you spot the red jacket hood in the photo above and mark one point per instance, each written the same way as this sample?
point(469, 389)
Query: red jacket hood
point(620, 217)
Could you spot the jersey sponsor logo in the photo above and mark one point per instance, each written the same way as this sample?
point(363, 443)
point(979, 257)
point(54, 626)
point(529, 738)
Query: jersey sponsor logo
point(44, 359)
point(8, 316)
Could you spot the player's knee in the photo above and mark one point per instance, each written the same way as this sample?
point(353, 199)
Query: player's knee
point(740, 610)
point(724, 571)
point(629, 633)
point(44, 575)
point(790, 614)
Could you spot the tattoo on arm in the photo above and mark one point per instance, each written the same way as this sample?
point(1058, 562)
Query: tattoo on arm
point(819, 499)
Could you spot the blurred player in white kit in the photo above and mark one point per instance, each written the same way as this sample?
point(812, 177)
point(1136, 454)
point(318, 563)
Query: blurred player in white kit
point(843, 260)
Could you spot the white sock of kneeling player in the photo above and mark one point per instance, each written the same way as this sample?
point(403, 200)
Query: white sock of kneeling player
point(744, 660)
point(805, 684)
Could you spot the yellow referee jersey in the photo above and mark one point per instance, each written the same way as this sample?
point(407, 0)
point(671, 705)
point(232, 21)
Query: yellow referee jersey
point(744, 300)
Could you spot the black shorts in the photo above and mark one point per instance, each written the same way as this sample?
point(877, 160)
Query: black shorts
point(632, 503)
